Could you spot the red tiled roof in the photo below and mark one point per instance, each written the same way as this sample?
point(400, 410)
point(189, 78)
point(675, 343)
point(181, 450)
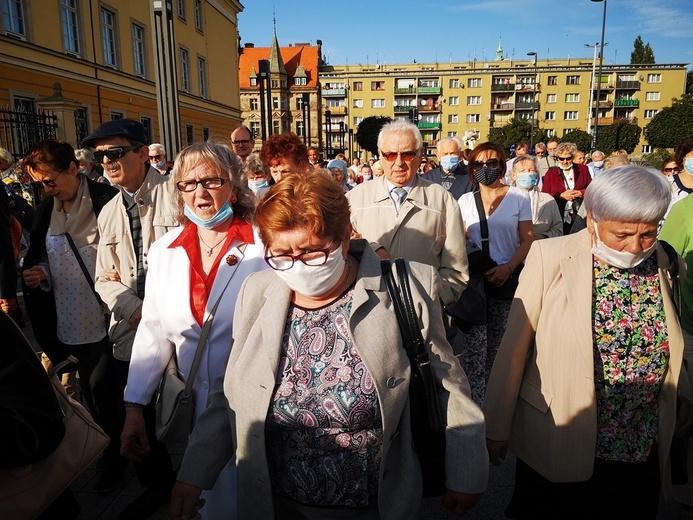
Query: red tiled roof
point(292, 57)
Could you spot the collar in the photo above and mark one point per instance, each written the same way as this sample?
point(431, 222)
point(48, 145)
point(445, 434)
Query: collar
point(408, 187)
point(240, 230)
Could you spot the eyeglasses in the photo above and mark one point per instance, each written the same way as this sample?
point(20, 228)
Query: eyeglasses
point(312, 258)
point(491, 163)
point(50, 183)
point(210, 183)
point(113, 153)
point(155, 157)
point(670, 170)
point(408, 156)
point(243, 142)
point(540, 154)
point(565, 159)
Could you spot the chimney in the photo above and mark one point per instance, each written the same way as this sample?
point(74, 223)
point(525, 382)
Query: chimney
point(249, 46)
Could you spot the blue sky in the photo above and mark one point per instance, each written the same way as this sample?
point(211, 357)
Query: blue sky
point(399, 31)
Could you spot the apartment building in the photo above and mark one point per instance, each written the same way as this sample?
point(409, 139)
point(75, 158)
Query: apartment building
point(465, 98)
point(90, 61)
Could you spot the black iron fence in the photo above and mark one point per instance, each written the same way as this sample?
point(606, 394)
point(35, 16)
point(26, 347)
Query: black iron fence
point(21, 129)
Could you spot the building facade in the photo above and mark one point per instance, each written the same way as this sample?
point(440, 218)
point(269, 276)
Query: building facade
point(91, 61)
point(470, 98)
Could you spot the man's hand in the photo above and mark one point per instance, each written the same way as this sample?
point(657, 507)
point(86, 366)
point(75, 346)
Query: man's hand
point(496, 451)
point(134, 320)
point(33, 276)
point(459, 503)
point(9, 306)
point(134, 444)
point(185, 501)
point(382, 253)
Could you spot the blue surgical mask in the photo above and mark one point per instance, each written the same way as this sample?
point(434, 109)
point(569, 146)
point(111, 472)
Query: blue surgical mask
point(449, 162)
point(257, 185)
point(160, 165)
point(526, 180)
point(222, 216)
point(688, 165)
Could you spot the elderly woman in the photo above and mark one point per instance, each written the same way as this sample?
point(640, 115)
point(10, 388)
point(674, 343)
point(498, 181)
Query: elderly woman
point(258, 175)
point(340, 173)
point(67, 315)
point(546, 219)
point(378, 170)
point(508, 215)
point(682, 182)
point(585, 384)
point(88, 167)
point(209, 257)
point(284, 154)
point(314, 403)
point(566, 183)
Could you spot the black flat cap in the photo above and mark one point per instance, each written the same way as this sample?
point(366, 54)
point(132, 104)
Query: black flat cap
point(127, 128)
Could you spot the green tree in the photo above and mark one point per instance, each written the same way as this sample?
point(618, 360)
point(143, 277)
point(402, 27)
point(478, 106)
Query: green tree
point(515, 131)
point(671, 125)
point(689, 82)
point(657, 158)
point(582, 139)
point(642, 53)
point(620, 135)
point(368, 130)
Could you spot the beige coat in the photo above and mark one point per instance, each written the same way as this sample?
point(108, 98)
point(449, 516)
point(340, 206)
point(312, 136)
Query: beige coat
point(546, 219)
point(541, 393)
point(159, 215)
point(428, 228)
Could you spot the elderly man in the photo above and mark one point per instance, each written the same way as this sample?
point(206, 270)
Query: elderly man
point(549, 160)
point(242, 142)
point(452, 173)
point(157, 158)
point(403, 215)
point(128, 225)
point(597, 165)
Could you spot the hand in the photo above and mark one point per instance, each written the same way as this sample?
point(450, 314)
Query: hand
point(382, 253)
point(355, 236)
point(684, 417)
point(33, 276)
point(496, 451)
point(112, 275)
point(498, 275)
point(459, 503)
point(567, 195)
point(134, 320)
point(9, 306)
point(134, 444)
point(185, 501)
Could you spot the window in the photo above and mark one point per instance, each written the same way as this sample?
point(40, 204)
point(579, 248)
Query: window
point(473, 118)
point(299, 129)
point(253, 82)
point(254, 104)
point(474, 82)
point(452, 134)
point(275, 103)
point(570, 115)
point(454, 83)
point(300, 82)
point(553, 80)
point(357, 121)
point(453, 119)
point(275, 83)
point(189, 134)
point(649, 114)
point(572, 80)
point(550, 116)
point(255, 129)
point(358, 103)
point(70, 26)
point(550, 132)
point(116, 115)
point(377, 85)
point(13, 17)
point(358, 85)
point(184, 70)
point(474, 100)
point(652, 96)
point(108, 37)
point(276, 127)
point(138, 49)
point(198, 15)
point(572, 98)
point(378, 103)
point(654, 78)
point(550, 98)
point(646, 148)
point(181, 9)
point(283, 103)
point(147, 124)
point(454, 101)
point(202, 76)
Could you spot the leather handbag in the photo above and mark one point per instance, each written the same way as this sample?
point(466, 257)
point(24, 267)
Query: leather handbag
point(427, 427)
point(25, 491)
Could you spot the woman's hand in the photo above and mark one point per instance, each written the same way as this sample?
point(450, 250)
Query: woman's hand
point(498, 275)
point(112, 275)
point(496, 451)
point(459, 503)
point(134, 444)
point(185, 501)
point(34, 276)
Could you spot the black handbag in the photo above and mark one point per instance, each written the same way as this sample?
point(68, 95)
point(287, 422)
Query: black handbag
point(427, 427)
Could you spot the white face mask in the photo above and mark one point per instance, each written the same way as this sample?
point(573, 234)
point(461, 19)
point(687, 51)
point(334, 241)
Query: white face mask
point(620, 259)
point(314, 281)
point(598, 164)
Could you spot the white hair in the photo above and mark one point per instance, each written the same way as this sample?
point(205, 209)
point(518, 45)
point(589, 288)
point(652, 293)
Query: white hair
point(598, 152)
point(451, 138)
point(628, 194)
point(400, 126)
point(157, 147)
point(84, 154)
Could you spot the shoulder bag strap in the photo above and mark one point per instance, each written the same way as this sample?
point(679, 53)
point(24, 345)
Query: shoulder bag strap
point(483, 224)
point(90, 281)
point(396, 299)
point(673, 271)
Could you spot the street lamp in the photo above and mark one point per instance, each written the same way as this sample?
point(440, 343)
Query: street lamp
point(328, 125)
point(534, 97)
point(590, 111)
point(599, 81)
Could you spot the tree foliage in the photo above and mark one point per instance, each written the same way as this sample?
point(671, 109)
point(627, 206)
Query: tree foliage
point(368, 130)
point(515, 131)
point(642, 53)
point(671, 125)
point(582, 139)
point(657, 158)
point(689, 82)
point(620, 135)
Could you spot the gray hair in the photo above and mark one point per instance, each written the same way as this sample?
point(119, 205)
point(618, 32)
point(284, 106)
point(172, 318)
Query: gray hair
point(523, 159)
point(598, 152)
point(570, 148)
point(400, 126)
point(540, 147)
point(84, 154)
point(628, 194)
point(255, 165)
point(449, 139)
point(157, 147)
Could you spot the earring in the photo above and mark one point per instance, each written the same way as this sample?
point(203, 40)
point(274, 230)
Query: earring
point(233, 199)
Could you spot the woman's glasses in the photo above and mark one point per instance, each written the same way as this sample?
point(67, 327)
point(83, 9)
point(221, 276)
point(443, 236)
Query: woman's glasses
point(565, 159)
point(312, 258)
point(211, 183)
point(670, 170)
point(50, 183)
point(491, 163)
point(114, 153)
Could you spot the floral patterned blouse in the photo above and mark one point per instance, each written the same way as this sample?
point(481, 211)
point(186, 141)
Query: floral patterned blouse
point(631, 353)
point(324, 428)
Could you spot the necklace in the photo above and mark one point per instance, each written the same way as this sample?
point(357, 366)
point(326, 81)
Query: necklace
point(210, 249)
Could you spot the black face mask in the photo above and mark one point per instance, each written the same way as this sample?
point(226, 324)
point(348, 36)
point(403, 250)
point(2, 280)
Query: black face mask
point(487, 176)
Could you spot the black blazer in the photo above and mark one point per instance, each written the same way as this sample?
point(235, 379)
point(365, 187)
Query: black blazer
point(462, 184)
point(8, 267)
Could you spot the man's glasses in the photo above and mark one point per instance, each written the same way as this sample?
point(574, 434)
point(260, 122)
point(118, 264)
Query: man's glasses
point(540, 154)
point(491, 163)
point(50, 183)
point(408, 156)
point(155, 157)
point(242, 141)
point(312, 258)
point(565, 159)
point(114, 153)
point(211, 183)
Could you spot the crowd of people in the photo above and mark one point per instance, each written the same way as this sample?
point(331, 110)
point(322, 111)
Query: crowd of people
point(556, 318)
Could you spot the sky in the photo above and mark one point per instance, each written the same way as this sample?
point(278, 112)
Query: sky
point(399, 31)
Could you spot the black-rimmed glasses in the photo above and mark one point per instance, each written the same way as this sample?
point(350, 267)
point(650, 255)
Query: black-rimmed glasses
point(312, 258)
point(244, 142)
point(491, 163)
point(50, 183)
point(114, 153)
point(211, 183)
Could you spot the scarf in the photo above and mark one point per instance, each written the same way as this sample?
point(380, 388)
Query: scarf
point(82, 221)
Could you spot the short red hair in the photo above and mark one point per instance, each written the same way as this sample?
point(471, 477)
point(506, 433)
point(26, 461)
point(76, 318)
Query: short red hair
point(287, 145)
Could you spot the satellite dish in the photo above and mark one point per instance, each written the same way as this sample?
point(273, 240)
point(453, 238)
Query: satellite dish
point(423, 102)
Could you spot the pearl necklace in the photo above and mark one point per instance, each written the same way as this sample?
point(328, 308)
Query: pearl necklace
point(210, 249)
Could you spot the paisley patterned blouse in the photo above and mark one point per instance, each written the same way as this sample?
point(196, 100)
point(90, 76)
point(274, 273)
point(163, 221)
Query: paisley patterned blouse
point(631, 353)
point(324, 428)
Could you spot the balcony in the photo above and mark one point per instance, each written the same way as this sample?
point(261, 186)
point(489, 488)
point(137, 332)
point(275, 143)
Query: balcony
point(527, 87)
point(425, 125)
point(333, 92)
point(634, 103)
point(630, 85)
point(503, 106)
point(338, 110)
point(403, 108)
point(435, 107)
point(407, 90)
point(503, 87)
point(527, 105)
point(604, 103)
point(428, 90)
point(605, 121)
point(334, 128)
point(431, 144)
point(606, 85)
